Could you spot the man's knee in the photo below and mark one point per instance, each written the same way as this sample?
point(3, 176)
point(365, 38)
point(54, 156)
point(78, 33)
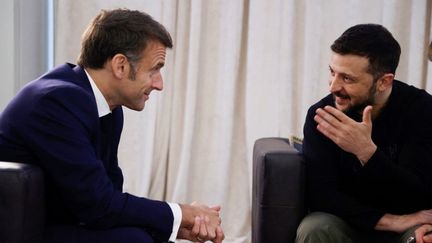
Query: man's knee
point(323, 227)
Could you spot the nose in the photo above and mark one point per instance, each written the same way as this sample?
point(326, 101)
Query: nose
point(157, 82)
point(335, 84)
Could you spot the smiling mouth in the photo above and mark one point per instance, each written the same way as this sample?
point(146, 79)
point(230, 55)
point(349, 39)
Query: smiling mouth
point(340, 95)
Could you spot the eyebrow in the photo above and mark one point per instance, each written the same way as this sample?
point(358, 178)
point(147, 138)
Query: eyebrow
point(353, 77)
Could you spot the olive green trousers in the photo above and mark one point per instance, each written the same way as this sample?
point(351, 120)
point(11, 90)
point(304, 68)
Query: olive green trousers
point(319, 227)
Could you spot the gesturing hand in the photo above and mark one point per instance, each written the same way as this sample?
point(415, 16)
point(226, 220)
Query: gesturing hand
point(351, 136)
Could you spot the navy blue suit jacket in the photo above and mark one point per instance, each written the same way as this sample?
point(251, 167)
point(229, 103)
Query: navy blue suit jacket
point(53, 122)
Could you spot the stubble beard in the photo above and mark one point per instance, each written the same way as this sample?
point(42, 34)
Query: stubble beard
point(358, 108)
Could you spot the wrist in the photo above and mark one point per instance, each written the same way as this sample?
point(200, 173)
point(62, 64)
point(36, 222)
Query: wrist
point(390, 222)
point(366, 154)
point(187, 220)
point(396, 223)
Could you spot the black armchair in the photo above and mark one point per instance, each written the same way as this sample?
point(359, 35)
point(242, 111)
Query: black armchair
point(278, 200)
point(22, 214)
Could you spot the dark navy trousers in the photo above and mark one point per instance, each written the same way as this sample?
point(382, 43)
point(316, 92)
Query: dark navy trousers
point(76, 234)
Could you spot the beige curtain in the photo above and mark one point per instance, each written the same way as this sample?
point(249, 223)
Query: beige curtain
point(240, 70)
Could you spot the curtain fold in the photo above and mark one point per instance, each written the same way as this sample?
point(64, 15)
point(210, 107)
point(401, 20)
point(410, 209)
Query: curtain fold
point(239, 70)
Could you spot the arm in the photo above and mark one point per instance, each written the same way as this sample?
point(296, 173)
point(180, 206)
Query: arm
point(61, 131)
point(407, 176)
point(324, 172)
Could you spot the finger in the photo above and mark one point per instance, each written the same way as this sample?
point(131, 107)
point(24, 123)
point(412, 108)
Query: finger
point(428, 234)
point(219, 235)
point(420, 233)
point(196, 227)
point(203, 229)
point(339, 115)
point(211, 231)
point(327, 117)
point(367, 115)
point(325, 128)
point(427, 238)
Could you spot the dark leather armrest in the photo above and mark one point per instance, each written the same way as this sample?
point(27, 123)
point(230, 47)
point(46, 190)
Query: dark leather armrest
point(278, 200)
point(22, 214)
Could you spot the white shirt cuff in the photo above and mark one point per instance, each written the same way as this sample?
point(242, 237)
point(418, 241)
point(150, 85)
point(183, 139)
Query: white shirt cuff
point(175, 208)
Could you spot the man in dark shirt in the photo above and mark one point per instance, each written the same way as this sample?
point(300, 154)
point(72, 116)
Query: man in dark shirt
point(368, 148)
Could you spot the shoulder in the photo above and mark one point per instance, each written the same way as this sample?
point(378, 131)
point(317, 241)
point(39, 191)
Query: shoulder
point(410, 97)
point(63, 84)
point(60, 92)
point(412, 105)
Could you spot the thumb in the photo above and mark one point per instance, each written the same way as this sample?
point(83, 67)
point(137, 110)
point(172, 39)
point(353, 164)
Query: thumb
point(367, 115)
point(427, 238)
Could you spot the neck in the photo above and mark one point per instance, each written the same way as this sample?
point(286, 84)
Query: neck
point(381, 102)
point(102, 80)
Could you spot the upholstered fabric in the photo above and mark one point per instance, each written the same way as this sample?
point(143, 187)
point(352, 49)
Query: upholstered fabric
point(22, 214)
point(278, 202)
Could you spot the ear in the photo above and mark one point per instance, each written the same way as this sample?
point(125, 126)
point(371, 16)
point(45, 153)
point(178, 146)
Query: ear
point(119, 66)
point(385, 82)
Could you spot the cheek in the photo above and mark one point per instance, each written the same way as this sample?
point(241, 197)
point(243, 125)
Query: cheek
point(359, 96)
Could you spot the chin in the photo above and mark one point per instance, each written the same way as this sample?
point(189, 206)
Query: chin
point(138, 107)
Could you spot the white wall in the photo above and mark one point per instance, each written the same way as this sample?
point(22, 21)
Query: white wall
point(23, 44)
point(7, 51)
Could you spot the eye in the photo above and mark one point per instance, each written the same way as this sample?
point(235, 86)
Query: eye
point(154, 71)
point(347, 79)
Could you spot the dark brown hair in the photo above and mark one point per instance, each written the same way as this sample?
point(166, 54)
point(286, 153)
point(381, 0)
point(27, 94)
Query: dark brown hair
point(119, 31)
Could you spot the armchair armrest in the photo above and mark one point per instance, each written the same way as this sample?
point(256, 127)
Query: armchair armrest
point(278, 200)
point(22, 214)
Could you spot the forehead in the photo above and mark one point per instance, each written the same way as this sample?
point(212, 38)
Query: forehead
point(349, 63)
point(154, 49)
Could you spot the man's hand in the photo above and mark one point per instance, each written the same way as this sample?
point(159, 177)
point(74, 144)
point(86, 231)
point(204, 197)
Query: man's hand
point(401, 223)
point(351, 136)
point(200, 223)
point(422, 235)
point(198, 232)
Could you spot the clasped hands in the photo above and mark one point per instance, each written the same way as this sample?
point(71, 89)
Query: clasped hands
point(401, 223)
point(351, 136)
point(423, 218)
point(200, 223)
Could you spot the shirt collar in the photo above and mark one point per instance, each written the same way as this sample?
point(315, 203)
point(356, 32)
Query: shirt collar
point(101, 103)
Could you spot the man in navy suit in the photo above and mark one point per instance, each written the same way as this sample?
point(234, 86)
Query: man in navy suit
point(69, 123)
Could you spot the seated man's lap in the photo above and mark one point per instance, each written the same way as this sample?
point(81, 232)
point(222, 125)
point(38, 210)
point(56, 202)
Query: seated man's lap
point(324, 227)
point(69, 233)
